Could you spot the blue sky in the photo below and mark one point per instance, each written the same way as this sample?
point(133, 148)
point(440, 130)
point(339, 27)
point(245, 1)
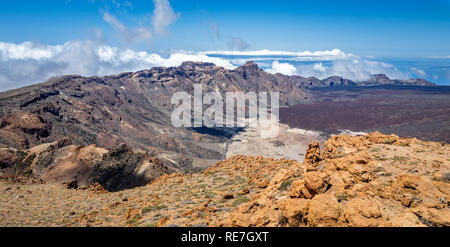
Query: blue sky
point(404, 33)
point(370, 28)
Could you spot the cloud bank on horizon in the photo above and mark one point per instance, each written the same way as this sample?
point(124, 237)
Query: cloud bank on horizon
point(28, 62)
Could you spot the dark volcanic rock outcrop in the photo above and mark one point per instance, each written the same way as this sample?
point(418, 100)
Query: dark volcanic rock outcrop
point(61, 162)
point(382, 79)
point(375, 80)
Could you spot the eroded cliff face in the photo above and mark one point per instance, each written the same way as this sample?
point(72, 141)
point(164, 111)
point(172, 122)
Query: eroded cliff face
point(372, 180)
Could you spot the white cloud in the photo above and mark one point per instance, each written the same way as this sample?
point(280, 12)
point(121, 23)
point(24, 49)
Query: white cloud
point(136, 34)
point(319, 67)
point(282, 68)
point(116, 24)
point(418, 72)
point(143, 33)
point(439, 57)
point(163, 16)
point(237, 43)
point(215, 31)
point(27, 50)
point(27, 63)
point(355, 69)
point(300, 55)
point(349, 67)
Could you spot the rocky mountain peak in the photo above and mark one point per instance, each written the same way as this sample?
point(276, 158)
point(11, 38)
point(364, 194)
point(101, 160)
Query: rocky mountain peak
point(249, 66)
point(379, 77)
point(189, 65)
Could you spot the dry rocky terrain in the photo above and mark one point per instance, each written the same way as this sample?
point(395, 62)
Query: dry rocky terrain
point(371, 180)
point(289, 143)
point(407, 111)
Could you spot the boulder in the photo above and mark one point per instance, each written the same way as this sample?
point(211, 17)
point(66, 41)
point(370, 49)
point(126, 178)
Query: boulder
point(324, 211)
point(313, 155)
point(362, 212)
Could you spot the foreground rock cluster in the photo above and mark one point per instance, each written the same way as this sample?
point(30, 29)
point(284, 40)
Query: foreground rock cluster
point(373, 180)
